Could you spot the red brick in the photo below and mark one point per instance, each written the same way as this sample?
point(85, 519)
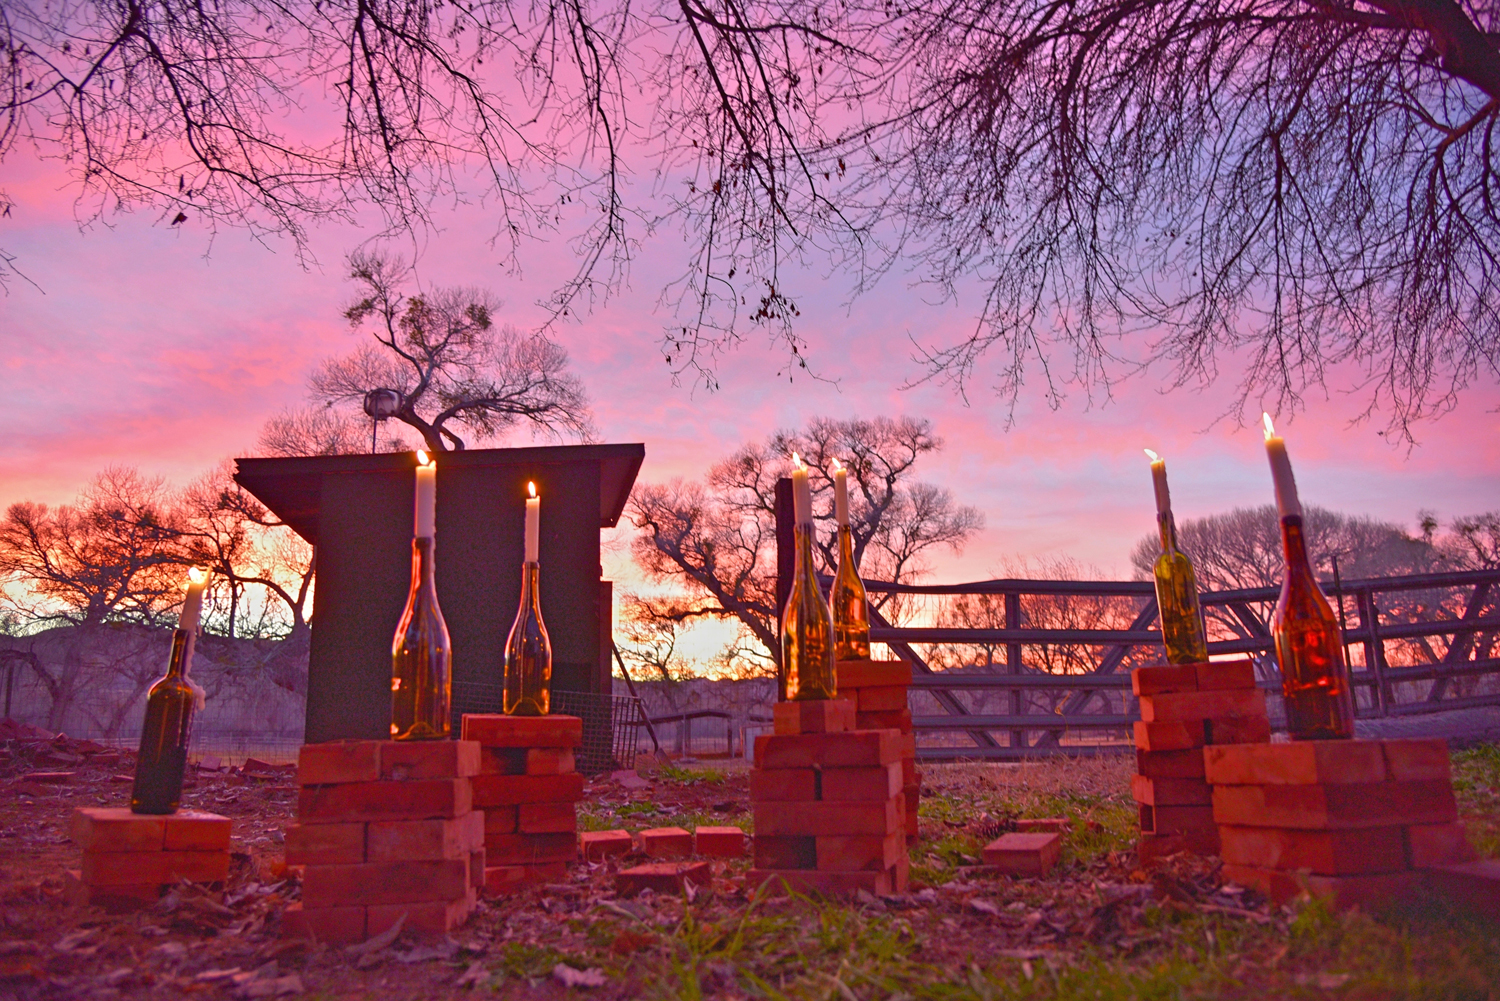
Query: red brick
point(661, 877)
point(861, 784)
point(1165, 679)
point(325, 844)
point(1024, 854)
point(857, 853)
point(505, 790)
point(547, 818)
point(333, 925)
point(1152, 847)
point(1176, 819)
point(116, 829)
point(501, 819)
point(339, 761)
point(893, 719)
point(504, 760)
point(778, 882)
point(385, 883)
point(1326, 853)
point(813, 716)
point(1171, 792)
point(882, 699)
point(1188, 706)
point(401, 760)
point(529, 849)
point(781, 784)
point(1237, 730)
point(424, 840)
point(120, 899)
point(1366, 804)
point(504, 879)
point(1222, 675)
point(494, 730)
point(416, 800)
point(1471, 884)
point(719, 842)
point(830, 750)
point(667, 842)
point(192, 831)
point(1429, 845)
point(1417, 760)
point(1306, 762)
point(476, 868)
point(1175, 736)
point(910, 776)
point(435, 917)
point(140, 868)
point(785, 851)
point(1186, 764)
point(873, 674)
point(1369, 892)
point(596, 846)
point(549, 760)
point(906, 745)
point(1055, 825)
point(829, 818)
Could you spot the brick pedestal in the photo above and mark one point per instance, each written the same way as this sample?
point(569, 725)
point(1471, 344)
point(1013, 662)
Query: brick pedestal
point(1353, 821)
point(529, 792)
point(385, 828)
point(878, 689)
point(129, 857)
point(830, 814)
point(1184, 708)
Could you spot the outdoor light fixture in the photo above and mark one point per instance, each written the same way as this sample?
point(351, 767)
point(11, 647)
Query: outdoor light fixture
point(380, 405)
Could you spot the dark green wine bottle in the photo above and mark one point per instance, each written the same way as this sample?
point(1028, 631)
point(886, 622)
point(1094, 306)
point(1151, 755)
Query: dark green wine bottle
point(164, 740)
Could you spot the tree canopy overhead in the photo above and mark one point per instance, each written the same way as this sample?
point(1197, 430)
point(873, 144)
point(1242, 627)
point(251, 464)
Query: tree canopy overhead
point(1277, 194)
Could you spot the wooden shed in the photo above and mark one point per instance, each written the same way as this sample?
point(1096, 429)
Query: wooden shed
point(356, 511)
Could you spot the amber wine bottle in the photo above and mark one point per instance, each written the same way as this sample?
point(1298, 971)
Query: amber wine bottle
point(807, 630)
point(528, 652)
point(1177, 599)
point(421, 657)
point(164, 739)
point(851, 612)
point(1315, 684)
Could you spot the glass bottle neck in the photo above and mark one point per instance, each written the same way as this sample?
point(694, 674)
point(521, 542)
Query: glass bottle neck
point(803, 536)
point(530, 580)
point(423, 560)
point(846, 546)
point(1294, 544)
point(182, 652)
point(1167, 527)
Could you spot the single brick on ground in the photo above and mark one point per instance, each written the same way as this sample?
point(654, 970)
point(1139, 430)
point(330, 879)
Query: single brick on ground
point(385, 829)
point(1031, 853)
point(528, 790)
point(129, 857)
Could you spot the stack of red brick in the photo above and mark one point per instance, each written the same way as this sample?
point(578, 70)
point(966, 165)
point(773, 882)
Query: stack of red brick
point(830, 815)
point(128, 857)
point(385, 829)
point(1185, 707)
point(878, 689)
point(529, 793)
point(1349, 820)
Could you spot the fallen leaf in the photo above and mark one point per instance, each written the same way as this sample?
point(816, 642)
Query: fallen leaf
point(570, 977)
point(380, 941)
point(984, 906)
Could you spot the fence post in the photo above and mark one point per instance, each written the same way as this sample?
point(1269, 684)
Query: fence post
point(10, 683)
point(1013, 664)
point(1369, 614)
point(786, 556)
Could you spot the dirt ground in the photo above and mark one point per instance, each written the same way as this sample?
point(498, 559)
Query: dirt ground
point(958, 932)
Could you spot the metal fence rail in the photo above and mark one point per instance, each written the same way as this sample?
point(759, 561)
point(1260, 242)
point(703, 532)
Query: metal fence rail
point(1419, 643)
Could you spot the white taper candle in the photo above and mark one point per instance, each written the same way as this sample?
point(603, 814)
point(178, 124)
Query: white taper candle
point(192, 603)
point(840, 493)
point(533, 525)
point(1159, 481)
point(801, 492)
point(426, 496)
point(1287, 502)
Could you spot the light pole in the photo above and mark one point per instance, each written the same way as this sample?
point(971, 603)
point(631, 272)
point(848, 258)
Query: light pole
point(380, 404)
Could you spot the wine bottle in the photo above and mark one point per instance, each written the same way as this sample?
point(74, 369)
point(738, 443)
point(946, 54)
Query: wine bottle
point(851, 611)
point(421, 657)
point(528, 652)
point(1182, 631)
point(162, 759)
point(807, 629)
point(1315, 686)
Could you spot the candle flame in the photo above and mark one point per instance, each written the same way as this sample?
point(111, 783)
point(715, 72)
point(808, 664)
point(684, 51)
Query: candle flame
point(1152, 456)
point(797, 461)
point(838, 466)
point(197, 575)
point(531, 488)
point(423, 459)
point(1270, 428)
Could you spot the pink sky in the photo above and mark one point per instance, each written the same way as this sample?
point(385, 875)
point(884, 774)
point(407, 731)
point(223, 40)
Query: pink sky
point(140, 350)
